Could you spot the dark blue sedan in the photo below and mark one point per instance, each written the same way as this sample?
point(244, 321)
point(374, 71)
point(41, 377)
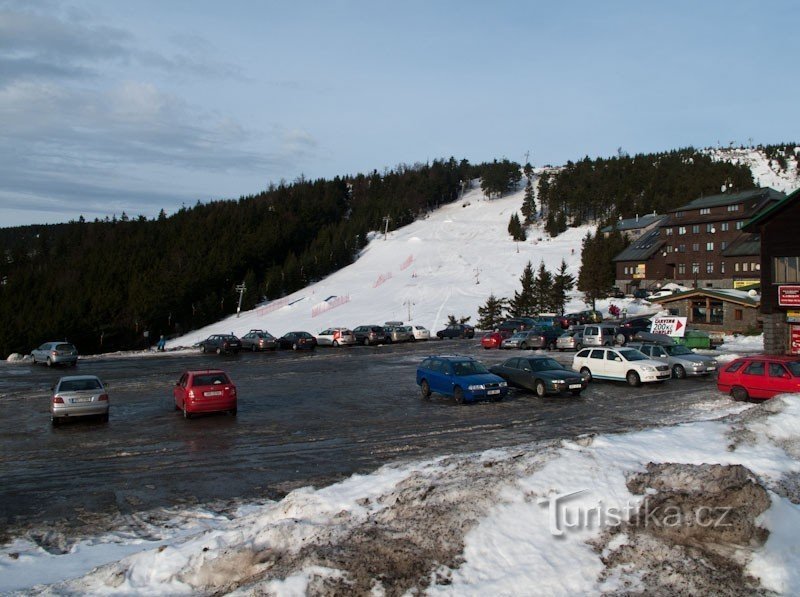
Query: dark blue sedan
point(463, 378)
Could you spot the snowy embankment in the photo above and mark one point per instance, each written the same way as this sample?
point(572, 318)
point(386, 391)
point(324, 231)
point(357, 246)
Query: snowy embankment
point(703, 507)
point(445, 264)
point(766, 173)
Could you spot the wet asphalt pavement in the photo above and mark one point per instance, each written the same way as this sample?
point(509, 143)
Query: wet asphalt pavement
point(306, 418)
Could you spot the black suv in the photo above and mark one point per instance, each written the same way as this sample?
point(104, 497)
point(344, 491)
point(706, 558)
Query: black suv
point(456, 330)
point(370, 334)
point(221, 343)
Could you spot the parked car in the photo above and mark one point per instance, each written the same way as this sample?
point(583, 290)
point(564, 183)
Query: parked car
point(760, 377)
point(463, 378)
point(572, 339)
point(78, 396)
point(538, 337)
point(258, 340)
point(398, 333)
point(547, 321)
point(516, 324)
point(615, 292)
point(619, 364)
point(370, 334)
point(491, 340)
point(635, 325)
point(682, 361)
point(456, 330)
point(659, 294)
point(602, 335)
point(421, 333)
point(55, 353)
point(221, 344)
point(641, 293)
point(205, 391)
point(336, 337)
point(543, 375)
point(297, 341)
point(584, 317)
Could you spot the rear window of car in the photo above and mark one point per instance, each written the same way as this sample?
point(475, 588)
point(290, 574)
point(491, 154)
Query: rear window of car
point(65, 347)
point(794, 367)
point(583, 354)
point(79, 385)
point(755, 368)
point(468, 368)
point(598, 354)
point(734, 367)
point(210, 379)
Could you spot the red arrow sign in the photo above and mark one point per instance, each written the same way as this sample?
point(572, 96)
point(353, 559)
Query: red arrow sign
point(678, 325)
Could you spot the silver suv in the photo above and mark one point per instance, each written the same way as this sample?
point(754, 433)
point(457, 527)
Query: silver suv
point(682, 361)
point(55, 353)
point(602, 335)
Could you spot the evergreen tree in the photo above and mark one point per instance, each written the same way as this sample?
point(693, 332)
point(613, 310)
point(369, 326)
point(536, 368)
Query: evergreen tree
point(542, 289)
point(597, 271)
point(515, 228)
point(490, 315)
point(563, 282)
point(529, 204)
point(522, 305)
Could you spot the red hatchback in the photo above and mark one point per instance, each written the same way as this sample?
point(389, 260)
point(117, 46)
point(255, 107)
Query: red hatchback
point(205, 391)
point(760, 377)
point(492, 340)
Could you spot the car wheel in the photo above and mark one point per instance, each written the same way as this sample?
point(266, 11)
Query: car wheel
point(203, 348)
point(587, 375)
point(388, 340)
point(739, 394)
point(425, 389)
point(186, 413)
point(633, 379)
point(232, 412)
point(49, 362)
point(294, 346)
point(104, 418)
point(620, 339)
point(551, 347)
point(219, 350)
point(541, 391)
point(578, 346)
point(458, 395)
point(253, 348)
point(575, 392)
point(34, 358)
point(177, 407)
point(678, 372)
point(336, 343)
point(54, 421)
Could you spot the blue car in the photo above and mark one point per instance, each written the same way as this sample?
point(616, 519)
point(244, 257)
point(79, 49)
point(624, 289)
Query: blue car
point(463, 378)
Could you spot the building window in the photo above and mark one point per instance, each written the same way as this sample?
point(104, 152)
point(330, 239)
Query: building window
point(710, 228)
point(745, 266)
point(724, 226)
point(709, 246)
point(682, 269)
point(669, 248)
point(681, 230)
point(681, 248)
point(723, 245)
point(785, 269)
point(680, 214)
point(695, 228)
point(738, 314)
point(722, 267)
point(668, 231)
point(734, 207)
point(695, 247)
point(695, 268)
point(705, 211)
point(706, 311)
point(754, 267)
point(736, 267)
point(739, 224)
point(709, 267)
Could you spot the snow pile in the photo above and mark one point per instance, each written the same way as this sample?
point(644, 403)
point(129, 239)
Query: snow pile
point(766, 173)
point(16, 357)
point(709, 506)
point(741, 343)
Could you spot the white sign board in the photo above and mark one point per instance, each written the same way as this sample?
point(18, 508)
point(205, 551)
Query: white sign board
point(669, 326)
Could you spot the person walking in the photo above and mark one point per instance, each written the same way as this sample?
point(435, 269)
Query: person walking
point(162, 342)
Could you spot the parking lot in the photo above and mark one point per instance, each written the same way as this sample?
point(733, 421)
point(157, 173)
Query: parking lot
point(307, 418)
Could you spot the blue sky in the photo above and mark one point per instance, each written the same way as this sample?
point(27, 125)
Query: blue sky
point(111, 106)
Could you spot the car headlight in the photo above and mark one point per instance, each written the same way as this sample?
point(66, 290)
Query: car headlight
point(503, 384)
point(648, 368)
point(697, 365)
point(476, 387)
point(558, 381)
point(712, 364)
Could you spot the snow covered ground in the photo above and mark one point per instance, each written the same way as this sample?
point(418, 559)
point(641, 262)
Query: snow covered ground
point(766, 173)
point(704, 507)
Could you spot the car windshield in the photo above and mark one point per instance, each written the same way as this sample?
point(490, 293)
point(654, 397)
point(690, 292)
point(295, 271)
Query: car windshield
point(519, 336)
point(468, 368)
point(303, 334)
point(794, 367)
point(210, 379)
point(80, 385)
point(545, 365)
point(633, 355)
point(677, 350)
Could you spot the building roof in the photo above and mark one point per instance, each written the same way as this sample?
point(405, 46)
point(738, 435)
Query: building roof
point(766, 193)
point(641, 248)
point(634, 223)
point(744, 246)
point(771, 211)
point(739, 297)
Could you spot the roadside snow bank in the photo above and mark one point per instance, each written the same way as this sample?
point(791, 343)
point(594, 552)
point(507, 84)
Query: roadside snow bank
point(738, 343)
point(701, 507)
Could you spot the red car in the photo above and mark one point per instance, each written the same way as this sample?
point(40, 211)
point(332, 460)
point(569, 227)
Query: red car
point(492, 340)
point(205, 391)
point(761, 377)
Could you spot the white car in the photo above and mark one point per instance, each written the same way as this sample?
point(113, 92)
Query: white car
point(336, 337)
point(421, 333)
point(619, 364)
point(658, 295)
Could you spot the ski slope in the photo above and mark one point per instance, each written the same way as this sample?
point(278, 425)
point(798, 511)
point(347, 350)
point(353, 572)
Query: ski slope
point(447, 263)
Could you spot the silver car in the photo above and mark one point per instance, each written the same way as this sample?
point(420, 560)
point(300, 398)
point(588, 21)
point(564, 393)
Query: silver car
point(55, 353)
point(682, 360)
point(572, 339)
point(398, 333)
point(78, 396)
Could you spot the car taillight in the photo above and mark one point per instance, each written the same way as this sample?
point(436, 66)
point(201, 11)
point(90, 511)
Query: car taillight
point(191, 393)
point(58, 400)
point(103, 397)
point(54, 353)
